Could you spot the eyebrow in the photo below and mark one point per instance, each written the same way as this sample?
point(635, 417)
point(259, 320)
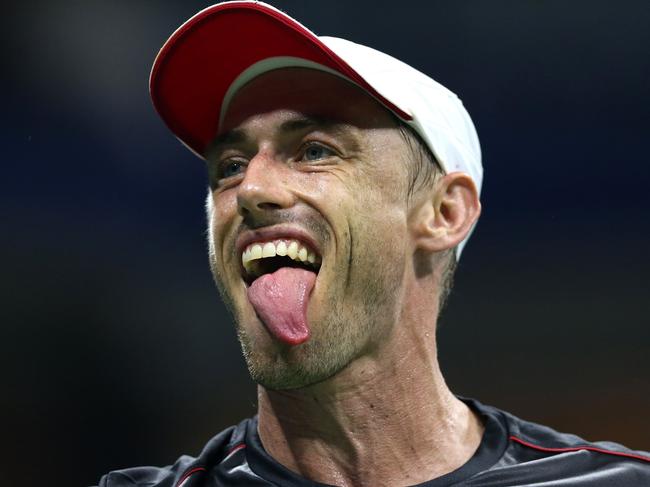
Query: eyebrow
point(239, 136)
point(303, 123)
point(231, 137)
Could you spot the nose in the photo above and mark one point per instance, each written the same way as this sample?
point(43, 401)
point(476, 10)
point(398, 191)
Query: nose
point(264, 187)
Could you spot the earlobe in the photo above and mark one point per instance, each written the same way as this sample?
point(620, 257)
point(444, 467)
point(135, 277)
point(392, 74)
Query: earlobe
point(447, 213)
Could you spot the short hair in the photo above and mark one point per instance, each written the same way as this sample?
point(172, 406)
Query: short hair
point(424, 170)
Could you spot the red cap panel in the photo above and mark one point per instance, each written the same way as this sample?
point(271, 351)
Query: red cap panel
point(198, 63)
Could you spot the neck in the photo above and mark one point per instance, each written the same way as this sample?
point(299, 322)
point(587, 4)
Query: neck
point(388, 419)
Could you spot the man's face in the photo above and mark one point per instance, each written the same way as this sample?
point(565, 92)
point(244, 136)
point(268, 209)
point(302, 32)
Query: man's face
point(303, 155)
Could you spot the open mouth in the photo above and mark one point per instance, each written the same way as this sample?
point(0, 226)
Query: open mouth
point(261, 258)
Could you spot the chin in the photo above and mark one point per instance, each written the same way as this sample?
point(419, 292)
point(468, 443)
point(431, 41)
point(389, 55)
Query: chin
point(276, 366)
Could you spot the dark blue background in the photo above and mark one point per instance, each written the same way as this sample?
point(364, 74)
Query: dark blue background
point(117, 350)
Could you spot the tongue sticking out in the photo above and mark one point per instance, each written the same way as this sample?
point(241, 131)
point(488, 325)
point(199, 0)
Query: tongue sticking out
point(280, 300)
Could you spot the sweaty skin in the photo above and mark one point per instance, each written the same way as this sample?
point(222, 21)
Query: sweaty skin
point(362, 401)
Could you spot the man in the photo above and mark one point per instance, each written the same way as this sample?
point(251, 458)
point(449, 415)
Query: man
point(343, 187)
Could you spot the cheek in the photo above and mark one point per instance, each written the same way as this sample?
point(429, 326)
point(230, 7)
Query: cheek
point(379, 199)
point(381, 233)
point(378, 227)
point(221, 218)
point(380, 188)
point(369, 200)
point(224, 207)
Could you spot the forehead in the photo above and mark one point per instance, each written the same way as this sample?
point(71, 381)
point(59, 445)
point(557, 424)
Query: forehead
point(307, 92)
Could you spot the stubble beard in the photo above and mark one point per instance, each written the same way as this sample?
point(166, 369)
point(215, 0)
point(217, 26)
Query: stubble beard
point(349, 329)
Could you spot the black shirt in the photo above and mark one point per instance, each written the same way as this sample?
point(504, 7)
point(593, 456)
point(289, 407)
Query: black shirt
point(512, 452)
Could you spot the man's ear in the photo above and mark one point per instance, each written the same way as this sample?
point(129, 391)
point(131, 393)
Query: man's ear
point(446, 213)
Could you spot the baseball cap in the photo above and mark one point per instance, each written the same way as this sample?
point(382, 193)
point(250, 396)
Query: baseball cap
point(217, 51)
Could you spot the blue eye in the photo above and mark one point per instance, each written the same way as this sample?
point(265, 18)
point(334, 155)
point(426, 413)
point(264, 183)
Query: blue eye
point(315, 152)
point(231, 168)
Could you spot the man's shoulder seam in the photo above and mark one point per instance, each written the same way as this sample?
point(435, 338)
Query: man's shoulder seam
point(567, 449)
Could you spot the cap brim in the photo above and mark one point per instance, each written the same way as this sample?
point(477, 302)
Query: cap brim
point(199, 62)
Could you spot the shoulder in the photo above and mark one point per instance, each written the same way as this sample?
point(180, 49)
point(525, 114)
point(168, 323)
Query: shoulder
point(538, 453)
point(216, 451)
point(545, 440)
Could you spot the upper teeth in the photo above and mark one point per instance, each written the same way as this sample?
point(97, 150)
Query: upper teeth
point(292, 248)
